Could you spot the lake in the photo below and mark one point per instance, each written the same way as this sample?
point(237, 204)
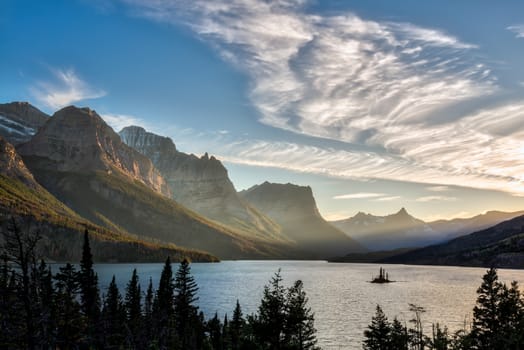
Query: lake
point(340, 295)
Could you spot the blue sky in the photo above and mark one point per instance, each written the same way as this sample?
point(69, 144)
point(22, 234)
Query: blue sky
point(375, 105)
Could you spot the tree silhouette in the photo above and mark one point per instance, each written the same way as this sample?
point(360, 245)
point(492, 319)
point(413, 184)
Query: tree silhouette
point(300, 332)
point(377, 336)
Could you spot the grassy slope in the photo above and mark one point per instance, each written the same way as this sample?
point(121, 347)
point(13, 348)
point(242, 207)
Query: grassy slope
point(61, 229)
point(113, 200)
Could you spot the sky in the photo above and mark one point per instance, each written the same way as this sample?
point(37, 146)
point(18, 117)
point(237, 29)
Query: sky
point(376, 105)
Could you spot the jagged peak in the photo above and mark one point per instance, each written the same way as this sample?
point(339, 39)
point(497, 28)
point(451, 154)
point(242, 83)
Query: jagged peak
point(402, 211)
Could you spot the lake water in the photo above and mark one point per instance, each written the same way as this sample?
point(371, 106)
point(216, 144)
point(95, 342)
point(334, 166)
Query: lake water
point(339, 294)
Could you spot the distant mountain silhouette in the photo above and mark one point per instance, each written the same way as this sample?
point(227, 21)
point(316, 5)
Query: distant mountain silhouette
point(399, 230)
point(294, 209)
point(501, 245)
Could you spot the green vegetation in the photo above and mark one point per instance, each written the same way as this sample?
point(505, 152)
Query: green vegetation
point(38, 210)
point(39, 310)
point(498, 323)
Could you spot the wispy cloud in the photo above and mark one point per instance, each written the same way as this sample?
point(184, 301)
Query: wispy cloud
point(438, 188)
point(65, 88)
point(120, 121)
point(360, 195)
point(388, 199)
point(517, 29)
point(435, 199)
point(384, 86)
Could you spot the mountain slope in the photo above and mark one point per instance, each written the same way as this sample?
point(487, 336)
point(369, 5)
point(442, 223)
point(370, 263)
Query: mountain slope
point(501, 245)
point(457, 227)
point(201, 184)
point(294, 209)
point(399, 230)
point(29, 204)
point(83, 162)
point(19, 121)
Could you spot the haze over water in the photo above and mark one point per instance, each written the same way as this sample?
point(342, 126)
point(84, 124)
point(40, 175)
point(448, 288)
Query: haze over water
point(340, 294)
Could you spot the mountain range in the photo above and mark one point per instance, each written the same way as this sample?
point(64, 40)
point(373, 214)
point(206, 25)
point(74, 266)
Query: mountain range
point(142, 199)
point(402, 230)
point(136, 185)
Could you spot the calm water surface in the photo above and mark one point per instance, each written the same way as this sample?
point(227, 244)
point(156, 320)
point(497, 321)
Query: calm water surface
point(339, 294)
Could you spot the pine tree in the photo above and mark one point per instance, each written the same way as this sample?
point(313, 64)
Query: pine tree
point(89, 293)
point(215, 332)
point(299, 325)
point(186, 313)
point(486, 323)
point(113, 315)
point(511, 317)
point(268, 325)
point(163, 309)
point(399, 336)
point(236, 328)
point(133, 309)
point(148, 334)
point(70, 321)
point(377, 336)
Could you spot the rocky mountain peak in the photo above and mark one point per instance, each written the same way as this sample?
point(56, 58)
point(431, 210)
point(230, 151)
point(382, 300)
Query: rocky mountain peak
point(12, 165)
point(199, 183)
point(292, 199)
point(19, 121)
point(78, 140)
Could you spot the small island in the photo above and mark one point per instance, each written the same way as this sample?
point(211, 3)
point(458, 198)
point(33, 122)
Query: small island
point(383, 277)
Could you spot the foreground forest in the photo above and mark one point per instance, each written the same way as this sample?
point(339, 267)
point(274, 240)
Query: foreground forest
point(65, 309)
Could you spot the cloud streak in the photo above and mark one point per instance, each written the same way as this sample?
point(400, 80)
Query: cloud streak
point(518, 30)
point(360, 195)
point(392, 89)
point(66, 88)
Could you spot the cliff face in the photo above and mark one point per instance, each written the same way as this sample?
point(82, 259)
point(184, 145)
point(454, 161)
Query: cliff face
point(199, 183)
point(80, 160)
point(294, 209)
point(12, 165)
point(78, 140)
point(19, 121)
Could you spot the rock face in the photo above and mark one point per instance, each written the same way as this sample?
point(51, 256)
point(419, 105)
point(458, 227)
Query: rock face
point(12, 165)
point(200, 183)
point(294, 209)
point(19, 121)
point(399, 230)
point(78, 140)
point(81, 161)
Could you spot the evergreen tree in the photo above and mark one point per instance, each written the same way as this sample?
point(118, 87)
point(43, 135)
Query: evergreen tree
point(299, 325)
point(215, 333)
point(89, 293)
point(377, 336)
point(163, 309)
point(69, 320)
point(440, 339)
point(226, 337)
point(186, 313)
point(486, 322)
point(133, 307)
point(113, 315)
point(268, 325)
point(236, 328)
point(148, 314)
point(399, 336)
point(511, 317)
